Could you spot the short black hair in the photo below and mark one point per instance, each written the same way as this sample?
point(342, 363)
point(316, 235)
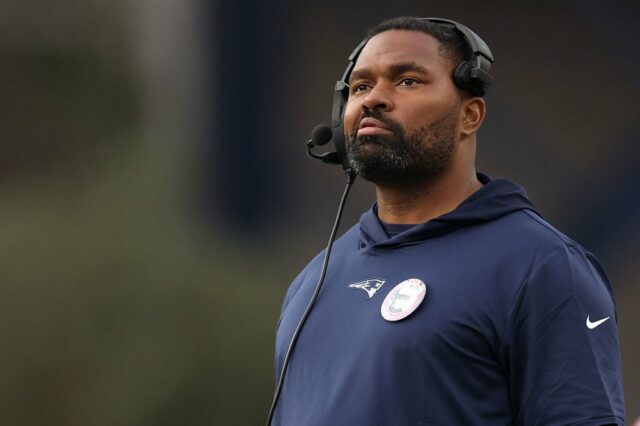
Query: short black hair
point(453, 45)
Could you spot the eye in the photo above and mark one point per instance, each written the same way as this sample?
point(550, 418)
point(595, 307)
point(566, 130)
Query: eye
point(409, 81)
point(359, 87)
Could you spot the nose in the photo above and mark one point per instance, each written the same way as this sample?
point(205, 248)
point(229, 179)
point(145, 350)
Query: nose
point(377, 98)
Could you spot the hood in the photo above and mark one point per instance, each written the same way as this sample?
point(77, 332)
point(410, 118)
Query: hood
point(498, 197)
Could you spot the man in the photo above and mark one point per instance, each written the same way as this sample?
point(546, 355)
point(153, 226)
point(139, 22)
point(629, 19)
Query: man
point(473, 309)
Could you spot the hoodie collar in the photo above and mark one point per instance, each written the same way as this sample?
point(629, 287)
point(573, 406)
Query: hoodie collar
point(498, 197)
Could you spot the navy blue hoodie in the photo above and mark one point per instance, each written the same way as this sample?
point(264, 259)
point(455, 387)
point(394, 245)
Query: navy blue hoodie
point(512, 329)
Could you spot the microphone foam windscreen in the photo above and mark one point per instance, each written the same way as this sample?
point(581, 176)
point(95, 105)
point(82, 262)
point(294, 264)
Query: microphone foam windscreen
point(321, 135)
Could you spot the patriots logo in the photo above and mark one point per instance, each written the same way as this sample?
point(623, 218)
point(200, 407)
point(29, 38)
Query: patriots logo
point(369, 286)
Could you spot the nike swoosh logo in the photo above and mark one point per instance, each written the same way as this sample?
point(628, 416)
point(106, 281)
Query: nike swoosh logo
point(592, 325)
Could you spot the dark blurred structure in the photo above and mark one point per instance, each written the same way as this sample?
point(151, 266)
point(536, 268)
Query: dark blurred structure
point(156, 199)
point(251, 43)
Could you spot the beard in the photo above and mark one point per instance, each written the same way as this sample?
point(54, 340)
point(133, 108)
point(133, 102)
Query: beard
point(404, 158)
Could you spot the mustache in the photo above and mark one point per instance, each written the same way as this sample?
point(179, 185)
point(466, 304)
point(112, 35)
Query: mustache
point(393, 125)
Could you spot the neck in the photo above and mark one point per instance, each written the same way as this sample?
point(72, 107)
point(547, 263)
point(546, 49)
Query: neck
point(424, 201)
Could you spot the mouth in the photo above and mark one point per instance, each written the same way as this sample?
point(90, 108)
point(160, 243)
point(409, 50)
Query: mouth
point(372, 126)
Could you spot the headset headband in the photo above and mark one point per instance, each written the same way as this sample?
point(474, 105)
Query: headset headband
point(480, 63)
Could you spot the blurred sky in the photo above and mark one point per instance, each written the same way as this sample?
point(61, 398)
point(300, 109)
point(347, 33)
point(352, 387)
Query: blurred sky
point(156, 200)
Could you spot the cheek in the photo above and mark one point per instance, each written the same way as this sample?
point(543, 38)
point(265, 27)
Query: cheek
point(419, 115)
point(417, 119)
point(349, 118)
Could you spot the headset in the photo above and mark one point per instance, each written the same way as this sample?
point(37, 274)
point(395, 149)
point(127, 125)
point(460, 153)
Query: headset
point(473, 76)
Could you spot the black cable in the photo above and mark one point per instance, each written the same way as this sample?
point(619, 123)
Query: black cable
point(350, 178)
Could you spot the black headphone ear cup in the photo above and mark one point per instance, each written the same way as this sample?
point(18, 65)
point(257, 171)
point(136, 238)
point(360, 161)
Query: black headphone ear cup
point(471, 78)
point(339, 138)
point(462, 76)
point(340, 97)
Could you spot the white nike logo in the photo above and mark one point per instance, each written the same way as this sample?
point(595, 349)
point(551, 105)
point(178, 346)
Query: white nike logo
point(592, 325)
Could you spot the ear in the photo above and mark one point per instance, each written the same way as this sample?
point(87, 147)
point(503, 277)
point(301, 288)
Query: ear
point(473, 112)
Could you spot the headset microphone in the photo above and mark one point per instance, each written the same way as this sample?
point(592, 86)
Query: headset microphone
point(321, 135)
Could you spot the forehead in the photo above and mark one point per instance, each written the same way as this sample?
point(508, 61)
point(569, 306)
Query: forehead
point(401, 46)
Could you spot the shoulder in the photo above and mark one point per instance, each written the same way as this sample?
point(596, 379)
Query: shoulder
point(312, 270)
point(526, 237)
point(555, 264)
point(530, 226)
point(557, 252)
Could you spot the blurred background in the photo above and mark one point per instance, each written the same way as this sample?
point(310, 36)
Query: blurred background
point(156, 201)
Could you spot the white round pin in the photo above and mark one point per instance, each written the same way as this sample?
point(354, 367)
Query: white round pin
point(403, 299)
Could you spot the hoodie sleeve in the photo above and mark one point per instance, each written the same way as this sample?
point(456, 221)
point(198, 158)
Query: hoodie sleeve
point(284, 333)
point(561, 345)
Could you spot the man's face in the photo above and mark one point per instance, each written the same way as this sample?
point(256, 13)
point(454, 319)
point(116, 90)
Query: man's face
point(401, 119)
